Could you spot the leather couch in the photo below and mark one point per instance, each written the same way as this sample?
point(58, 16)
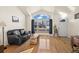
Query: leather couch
point(18, 36)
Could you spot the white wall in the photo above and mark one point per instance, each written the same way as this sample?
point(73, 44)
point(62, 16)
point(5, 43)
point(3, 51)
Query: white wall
point(61, 26)
point(6, 14)
point(57, 17)
point(74, 27)
point(28, 23)
point(70, 24)
point(74, 23)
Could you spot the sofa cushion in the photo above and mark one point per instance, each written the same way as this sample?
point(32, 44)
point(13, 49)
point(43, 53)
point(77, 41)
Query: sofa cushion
point(22, 32)
point(16, 32)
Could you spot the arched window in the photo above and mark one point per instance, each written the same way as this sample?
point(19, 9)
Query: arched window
point(41, 16)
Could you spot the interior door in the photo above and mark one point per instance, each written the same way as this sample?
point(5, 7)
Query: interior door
point(63, 27)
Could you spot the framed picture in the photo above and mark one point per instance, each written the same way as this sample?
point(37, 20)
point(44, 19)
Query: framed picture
point(15, 19)
point(77, 16)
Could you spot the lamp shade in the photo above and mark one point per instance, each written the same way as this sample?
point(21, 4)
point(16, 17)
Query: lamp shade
point(2, 23)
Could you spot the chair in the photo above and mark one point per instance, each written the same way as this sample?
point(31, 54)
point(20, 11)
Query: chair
point(75, 43)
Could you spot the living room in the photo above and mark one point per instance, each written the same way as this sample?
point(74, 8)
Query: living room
point(20, 18)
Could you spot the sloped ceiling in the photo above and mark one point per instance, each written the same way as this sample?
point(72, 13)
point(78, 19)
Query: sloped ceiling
point(29, 10)
point(33, 9)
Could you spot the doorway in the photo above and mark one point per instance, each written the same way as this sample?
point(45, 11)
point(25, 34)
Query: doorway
point(41, 23)
point(41, 26)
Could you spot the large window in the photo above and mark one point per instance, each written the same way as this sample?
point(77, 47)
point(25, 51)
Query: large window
point(41, 23)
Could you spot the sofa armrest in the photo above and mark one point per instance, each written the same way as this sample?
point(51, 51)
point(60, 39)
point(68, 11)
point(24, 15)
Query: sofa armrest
point(14, 39)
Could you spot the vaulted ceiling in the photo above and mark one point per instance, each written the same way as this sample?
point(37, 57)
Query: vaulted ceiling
point(54, 10)
point(32, 9)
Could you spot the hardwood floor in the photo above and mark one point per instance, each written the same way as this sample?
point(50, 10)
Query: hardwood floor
point(47, 44)
point(60, 45)
point(18, 48)
point(54, 45)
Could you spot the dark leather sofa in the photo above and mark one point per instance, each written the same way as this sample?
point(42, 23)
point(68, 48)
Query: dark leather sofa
point(18, 36)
